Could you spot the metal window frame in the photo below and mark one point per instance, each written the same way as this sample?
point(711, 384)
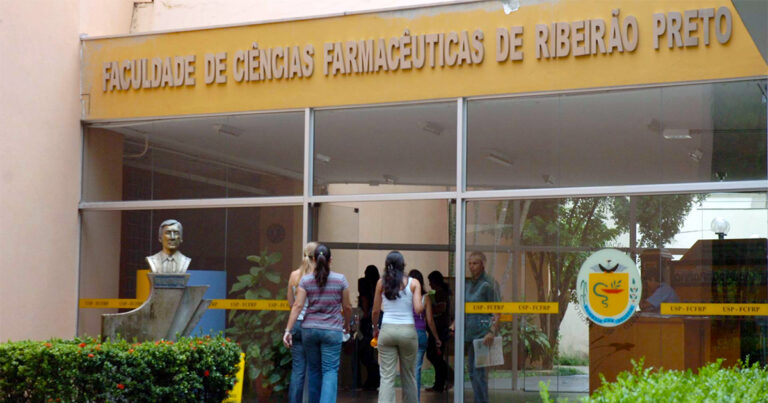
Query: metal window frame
point(461, 195)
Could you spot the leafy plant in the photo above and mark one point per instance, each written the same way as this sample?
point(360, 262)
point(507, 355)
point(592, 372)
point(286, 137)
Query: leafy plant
point(711, 383)
point(572, 360)
point(534, 342)
point(86, 370)
point(260, 332)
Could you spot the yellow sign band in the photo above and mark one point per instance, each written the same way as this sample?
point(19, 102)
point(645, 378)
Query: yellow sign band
point(110, 303)
point(251, 304)
point(500, 56)
point(511, 307)
point(715, 309)
point(234, 304)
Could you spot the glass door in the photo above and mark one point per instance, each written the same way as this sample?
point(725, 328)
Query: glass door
point(360, 235)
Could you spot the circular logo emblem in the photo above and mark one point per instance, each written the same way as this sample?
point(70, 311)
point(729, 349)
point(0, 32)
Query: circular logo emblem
point(275, 233)
point(608, 287)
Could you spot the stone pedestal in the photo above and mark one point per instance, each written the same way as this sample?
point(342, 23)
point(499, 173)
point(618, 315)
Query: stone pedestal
point(172, 309)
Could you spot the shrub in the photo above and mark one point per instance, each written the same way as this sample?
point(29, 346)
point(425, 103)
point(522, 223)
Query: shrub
point(712, 383)
point(86, 370)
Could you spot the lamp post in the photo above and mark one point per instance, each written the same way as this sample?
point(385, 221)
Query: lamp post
point(721, 227)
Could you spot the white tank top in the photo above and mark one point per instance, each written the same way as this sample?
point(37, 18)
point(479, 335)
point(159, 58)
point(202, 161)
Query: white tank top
point(399, 311)
point(304, 309)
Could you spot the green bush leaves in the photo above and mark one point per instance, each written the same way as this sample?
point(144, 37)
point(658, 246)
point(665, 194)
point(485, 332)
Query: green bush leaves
point(85, 370)
point(713, 383)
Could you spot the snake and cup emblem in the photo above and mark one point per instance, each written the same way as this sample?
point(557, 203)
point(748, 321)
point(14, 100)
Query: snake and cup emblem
point(608, 287)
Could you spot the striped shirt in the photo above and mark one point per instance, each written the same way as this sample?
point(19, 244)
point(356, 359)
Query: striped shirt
point(324, 304)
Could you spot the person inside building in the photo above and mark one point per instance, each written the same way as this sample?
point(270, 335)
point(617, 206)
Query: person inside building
point(299, 361)
point(367, 354)
point(659, 292)
point(480, 287)
point(398, 296)
point(326, 320)
point(422, 321)
point(437, 343)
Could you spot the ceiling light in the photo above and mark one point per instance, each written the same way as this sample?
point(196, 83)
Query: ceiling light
point(499, 159)
point(548, 179)
point(322, 158)
point(228, 130)
point(676, 134)
point(696, 155)
point(431, 127)
point(654, 125)
point(389, 179)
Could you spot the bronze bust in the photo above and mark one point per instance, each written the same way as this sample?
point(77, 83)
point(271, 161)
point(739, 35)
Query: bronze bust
point(169, 260)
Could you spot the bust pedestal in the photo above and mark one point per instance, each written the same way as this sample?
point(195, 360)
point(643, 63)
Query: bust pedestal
point(172, 309)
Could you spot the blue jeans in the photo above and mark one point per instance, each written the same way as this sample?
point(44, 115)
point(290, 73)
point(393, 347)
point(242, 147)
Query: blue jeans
point(479, 376)
point(420, 358)
point(298, 367)
point(323, 349)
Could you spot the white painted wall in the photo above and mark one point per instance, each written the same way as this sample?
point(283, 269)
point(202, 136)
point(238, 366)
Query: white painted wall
point(182, 14)
point(40, 159)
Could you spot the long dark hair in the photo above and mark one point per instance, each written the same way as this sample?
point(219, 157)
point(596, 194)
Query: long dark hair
point(322, 268)
point(437, 278)
point(418, 276)
point(394, 266)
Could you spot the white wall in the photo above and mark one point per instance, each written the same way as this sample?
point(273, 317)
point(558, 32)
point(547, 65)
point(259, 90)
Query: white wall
point(105, 17)
point(181, 14)
point(40, 160)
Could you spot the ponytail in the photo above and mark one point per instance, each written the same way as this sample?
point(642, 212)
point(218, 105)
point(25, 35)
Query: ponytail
point(308, 259)
point(322, 264)
point(394, 266)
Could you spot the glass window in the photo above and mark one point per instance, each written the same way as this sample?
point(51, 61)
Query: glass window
point(688, 133)
point(211, 157)
point(388, 149)
point(689, 248)
point(226, 246)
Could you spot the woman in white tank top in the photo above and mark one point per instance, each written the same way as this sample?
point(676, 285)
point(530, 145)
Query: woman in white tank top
point(398, 296)
point(299, 360)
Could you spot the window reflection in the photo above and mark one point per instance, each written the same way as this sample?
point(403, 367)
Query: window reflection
point(390, 149)
point(535, 248)
point(210, 157)
point(687, 133)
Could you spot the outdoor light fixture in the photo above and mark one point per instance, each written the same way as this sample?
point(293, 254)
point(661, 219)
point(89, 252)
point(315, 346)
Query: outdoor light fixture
point(720, 226)
point(510, 5)
point(228, 130)
point(499, 158)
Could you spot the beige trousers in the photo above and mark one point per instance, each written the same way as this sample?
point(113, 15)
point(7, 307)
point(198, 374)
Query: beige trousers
point(398, 341)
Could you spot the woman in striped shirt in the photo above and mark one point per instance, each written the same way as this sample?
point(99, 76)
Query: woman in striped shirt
point(325, 321)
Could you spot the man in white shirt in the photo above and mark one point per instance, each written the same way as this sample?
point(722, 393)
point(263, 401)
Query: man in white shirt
point(169, 260)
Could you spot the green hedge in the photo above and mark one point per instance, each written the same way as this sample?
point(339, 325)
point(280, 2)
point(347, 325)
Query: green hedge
point(85, 370)
point(712, 383)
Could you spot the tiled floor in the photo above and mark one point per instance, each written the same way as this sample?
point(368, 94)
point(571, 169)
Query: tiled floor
point(496, 395)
